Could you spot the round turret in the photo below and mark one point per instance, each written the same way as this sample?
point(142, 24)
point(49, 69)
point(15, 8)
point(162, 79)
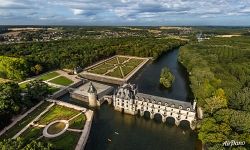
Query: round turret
point(92, 94)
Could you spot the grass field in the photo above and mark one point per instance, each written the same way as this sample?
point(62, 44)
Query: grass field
point(62, 81)
point(26, 120)
point(48, 76)
point(119, 66)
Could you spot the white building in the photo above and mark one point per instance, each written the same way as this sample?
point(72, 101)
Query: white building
point(127, 100)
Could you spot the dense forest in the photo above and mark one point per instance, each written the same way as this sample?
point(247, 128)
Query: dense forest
point(77, 52)
point(219, 71)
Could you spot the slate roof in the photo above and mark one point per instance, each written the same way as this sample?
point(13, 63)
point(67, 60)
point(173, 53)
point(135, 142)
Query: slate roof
point(164, 100)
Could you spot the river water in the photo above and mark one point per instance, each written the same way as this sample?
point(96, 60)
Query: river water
point(112, 130)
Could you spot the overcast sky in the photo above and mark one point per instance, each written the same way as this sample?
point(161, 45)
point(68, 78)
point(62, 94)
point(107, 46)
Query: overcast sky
point(125, 12)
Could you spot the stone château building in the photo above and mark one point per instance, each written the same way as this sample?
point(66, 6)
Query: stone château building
point(127, 99)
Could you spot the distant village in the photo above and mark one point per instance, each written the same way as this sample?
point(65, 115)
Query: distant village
point(10, 35)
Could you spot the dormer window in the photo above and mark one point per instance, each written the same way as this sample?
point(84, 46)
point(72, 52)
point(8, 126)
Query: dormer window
point(180, 107)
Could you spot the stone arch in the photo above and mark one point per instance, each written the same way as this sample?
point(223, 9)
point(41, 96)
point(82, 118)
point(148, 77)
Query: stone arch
point(158, 117)
point(147, 114)
point(170, 120)
point(185, 124)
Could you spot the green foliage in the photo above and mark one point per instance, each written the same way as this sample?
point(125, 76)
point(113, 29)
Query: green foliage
point(37, 90)
point(26, 120)
point(13, 68)
point(10, 101)
point(19, 144)
point(220, 80)
point(215, 102)
point(166, 77)
point(44, 56)
point(9, 97)
point(241, 100)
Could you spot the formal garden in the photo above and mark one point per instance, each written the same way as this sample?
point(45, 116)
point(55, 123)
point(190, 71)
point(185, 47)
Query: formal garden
point(51, 123)
point(117, 66)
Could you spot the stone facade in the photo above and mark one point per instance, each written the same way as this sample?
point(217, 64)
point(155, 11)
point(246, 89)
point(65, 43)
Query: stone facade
point(126, 99)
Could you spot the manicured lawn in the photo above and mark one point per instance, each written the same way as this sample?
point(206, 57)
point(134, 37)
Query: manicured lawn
point(57, 112)
point(53, 89)
point(122, 59)
point(112, 61)
point(56, 127)
point(26, 120)
point(127, 69)
point(116, 73)
point(61, 81)
point(32, 133)
point(66, 141)
point(48, 76)
point(78, 122)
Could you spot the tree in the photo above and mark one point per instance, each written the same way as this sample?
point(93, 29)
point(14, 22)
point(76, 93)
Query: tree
point(166, 77)
point(241, 100)
point(10, 101)
point(37, 69)
point(19, 144)
point(37, 90)
point(216, 102)
point(9, 97)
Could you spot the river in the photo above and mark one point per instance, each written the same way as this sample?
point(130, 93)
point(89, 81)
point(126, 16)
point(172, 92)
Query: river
point(112, 130)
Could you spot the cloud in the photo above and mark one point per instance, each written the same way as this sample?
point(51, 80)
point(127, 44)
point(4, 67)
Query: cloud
point(120, 11)
point(77, 11)
point(13, 4)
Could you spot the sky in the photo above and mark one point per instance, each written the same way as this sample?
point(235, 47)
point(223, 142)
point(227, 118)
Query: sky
point(125, 12)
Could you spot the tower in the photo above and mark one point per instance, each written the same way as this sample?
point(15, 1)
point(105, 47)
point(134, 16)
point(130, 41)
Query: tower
point(194, 104)
point(92, 94)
